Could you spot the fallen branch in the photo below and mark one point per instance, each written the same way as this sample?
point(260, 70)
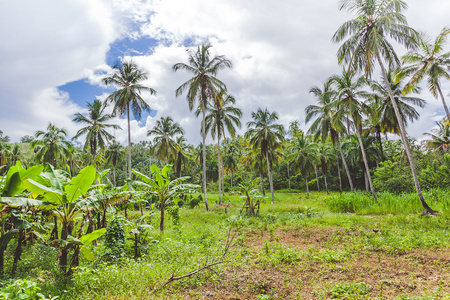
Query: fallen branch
point(171, 279)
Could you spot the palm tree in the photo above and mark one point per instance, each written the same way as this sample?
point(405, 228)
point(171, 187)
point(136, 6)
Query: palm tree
point(222, 115)
point(256, 162)
point(96, 134)
point(348, 94)
point(303, 154)
point(440, 138)
point(428, 60)
point(326, 156)
point(385, 120)
point(326, 123)
point(127, 78)
point(353, 150)
point(165, 146)
point(202, 87)
point(265, 135)
point(183, 155)
point(53, 145)
point(114, 155)
point(367, 43)
point(230, 159)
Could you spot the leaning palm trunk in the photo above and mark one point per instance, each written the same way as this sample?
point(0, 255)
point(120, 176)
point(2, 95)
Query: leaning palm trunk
point(326, 184)
point(366, 182)
point(129, 141)
point(345, 165)
point(269, 173)
point(428, 209)
point(363, 152)
point(443, 102)
point(204, 157)
point(220, 174)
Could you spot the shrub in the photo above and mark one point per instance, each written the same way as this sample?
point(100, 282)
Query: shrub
point(115, 238)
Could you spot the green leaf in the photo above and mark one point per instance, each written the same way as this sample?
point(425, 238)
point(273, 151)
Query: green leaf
point(87, 253)
point(90, 237)
point(74, 240)
point(6, 238)
point(50, 194)
point(21, 201)
point(80, 184)
point(21, 223)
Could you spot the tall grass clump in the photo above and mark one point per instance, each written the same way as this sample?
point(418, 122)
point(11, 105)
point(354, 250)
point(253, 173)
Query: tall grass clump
point(388, 203)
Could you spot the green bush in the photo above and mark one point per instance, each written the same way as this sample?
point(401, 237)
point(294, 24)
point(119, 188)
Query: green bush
point(115, 238)
point(349, 291)
point(391, 177)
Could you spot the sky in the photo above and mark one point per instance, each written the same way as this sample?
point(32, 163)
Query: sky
point(54, 54)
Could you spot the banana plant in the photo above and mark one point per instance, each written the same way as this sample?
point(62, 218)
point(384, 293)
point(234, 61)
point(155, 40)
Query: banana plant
point(140, 234)
point(12, 188)
point(250, 194)
point(64, 194)
point(166, 189)
point(80, 245)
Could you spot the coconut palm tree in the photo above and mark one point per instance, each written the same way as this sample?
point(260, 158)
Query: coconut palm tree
point(52, 145)
point(127, 78)
point(440, 138)
point(231, 159)
point(221, 115)
point(165, 132)
point(326, 123)
point(428, 60)
point(265, 135)
point(303, 155)
point(183, 154)
point(326, 156)
point(348, 101)
point(380, 102)
point(202, 87)
point(95, 131)
point(114, 155)
point(365, 42)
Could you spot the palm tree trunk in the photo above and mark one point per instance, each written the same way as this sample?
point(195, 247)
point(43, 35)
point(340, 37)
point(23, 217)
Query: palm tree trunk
point(307, 187)
point(339, 171)
point(317, 179)
point(220, 174)
point(161, 223)
point(428, 209)
point(129, 141)
point(231, 180)
point(363, 152)
point(366, 182)
point(443, 102)
point(114, 174)
point(261, 180)
point(289, 177)
point(204, 156)
point(345, 165)
point(269, 173)
point(326, 184)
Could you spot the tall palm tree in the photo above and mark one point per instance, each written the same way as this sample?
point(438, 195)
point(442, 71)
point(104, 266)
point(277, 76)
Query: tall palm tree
point(165, 132)
point(114, 155)
point(367, 43)
point(326, 123)
point(348, 101)
point(96, 134)
point(427, 60)
point(381, 104)
point(202, 87)
point(127, 78)
point(221, 115)
point(52, 144)
point(303, 154)
point(265, 135)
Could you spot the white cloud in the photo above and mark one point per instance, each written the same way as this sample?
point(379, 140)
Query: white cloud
point(279, 51)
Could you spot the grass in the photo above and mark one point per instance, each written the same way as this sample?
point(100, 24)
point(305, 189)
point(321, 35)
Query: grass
point(336, 246)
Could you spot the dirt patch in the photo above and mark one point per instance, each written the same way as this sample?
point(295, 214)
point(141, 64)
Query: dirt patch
point(325, 263)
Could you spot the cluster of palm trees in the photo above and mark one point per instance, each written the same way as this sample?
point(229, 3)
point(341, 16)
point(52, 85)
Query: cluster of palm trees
point(348, 105)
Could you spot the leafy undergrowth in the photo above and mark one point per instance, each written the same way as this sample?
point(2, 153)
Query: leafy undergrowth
point(295, 249)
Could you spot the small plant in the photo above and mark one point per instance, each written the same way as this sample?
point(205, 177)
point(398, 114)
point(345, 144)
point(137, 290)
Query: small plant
point(22, 289)
point(174, 212)
point(263, 297)
point(115, 238)
point(349, 290)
